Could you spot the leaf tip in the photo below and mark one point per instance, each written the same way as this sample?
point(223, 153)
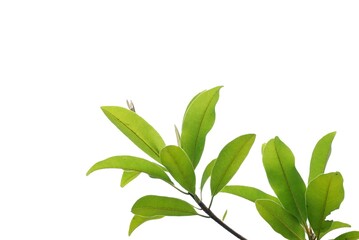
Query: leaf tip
point(89, 172)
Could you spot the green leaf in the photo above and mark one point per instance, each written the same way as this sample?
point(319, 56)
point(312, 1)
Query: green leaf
point(280, 220)
point(288, 185)
point(138, 221)
point(333, 226)
point(179, 166)
point(320, 156)
point(224, 215)
point(197, 122)
point(130, 163)
point(178, 136)
point(149, 206)
point(128, 176)
point(325, 194)
point(250, 193)
point(207, 173)
point(229, 160)
point(353, 235)
point(136, 129)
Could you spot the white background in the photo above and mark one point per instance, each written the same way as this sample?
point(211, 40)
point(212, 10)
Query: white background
point(288, 69)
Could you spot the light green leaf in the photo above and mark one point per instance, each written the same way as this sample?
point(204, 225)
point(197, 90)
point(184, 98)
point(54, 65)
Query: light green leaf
point(136, 129)
point(178, 136)
point(333, 226)
point(149, 206)
point(229, 160)
point(207, 173)
point(197, 122)
point(325, 194)
point(250, 193)
point(263, 147)
point(288, 185)
point(320, 156)
point(138, 221)
point(179, 166)
point(280, 220)
point(353, 235)
point(130, 163)
point(128, 176)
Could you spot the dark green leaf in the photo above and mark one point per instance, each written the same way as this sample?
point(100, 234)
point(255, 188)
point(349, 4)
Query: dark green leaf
point(333, 225)
point(288, 185)
point(128, 176)
point(138, 221)
point(320, 156)
point(149, 206)
point(130, 163)
point(353, 235)
point(136, 129)
point(280, 220)
point(250, 193)
point(180, 167)
point(197, 122)
point(207, 173)
point(229, 160)
point(325, 194)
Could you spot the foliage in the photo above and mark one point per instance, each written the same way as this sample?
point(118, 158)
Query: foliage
point(298, 210)
point(295, 210)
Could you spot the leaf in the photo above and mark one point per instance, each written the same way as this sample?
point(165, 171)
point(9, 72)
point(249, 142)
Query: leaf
point(250, 193)
point(320, 156)
point(229, 160)
point(179, 166)
point(224, 215)
point(178, 136)
point(149, 206)
point(136, 129)
point(280, 220)
point(334, 225)
point(138, 221)
point(130, 163)
point(288, 185)
point(128, 176)
point(353, 235)
point(197, 122)
point(325, 194)
point(207, 173)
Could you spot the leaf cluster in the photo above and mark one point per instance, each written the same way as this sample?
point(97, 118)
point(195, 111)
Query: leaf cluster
point(295, 210)
point(298, 210)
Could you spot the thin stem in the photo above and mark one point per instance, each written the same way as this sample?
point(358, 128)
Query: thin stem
point(215, 218)
point(210, 203)
point(186, 193)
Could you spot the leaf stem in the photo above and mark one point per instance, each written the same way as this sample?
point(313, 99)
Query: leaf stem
point(215, 218)
point(210, 203)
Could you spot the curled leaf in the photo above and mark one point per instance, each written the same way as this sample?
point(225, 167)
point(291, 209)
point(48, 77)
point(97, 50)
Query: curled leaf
point(130, 163)
point(128, 176)
point(138, 220)
point(207, 173)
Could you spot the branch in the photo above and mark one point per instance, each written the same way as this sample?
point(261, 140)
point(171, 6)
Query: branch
point(215, 218)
